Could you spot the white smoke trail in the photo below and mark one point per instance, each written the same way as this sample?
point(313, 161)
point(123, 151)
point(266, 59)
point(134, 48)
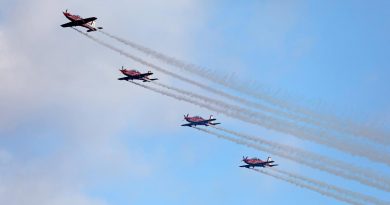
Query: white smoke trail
point(243, 101)
point(173, 95)
point(313, 160)
point(285, 155)
point(301, 132)
point(162, 70)
point(325, 190)
point(261, 119)
point(312, 117)
point(345, 192)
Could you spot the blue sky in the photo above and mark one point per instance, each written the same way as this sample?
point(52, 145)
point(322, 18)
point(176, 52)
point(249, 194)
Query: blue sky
point(70, 133)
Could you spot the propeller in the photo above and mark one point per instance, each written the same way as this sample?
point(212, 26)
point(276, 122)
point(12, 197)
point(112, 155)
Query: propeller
point(122, 69)
point(244, 158)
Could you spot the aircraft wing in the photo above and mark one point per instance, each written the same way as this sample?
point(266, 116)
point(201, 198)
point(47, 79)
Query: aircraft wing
point(246, 166)
point(144, 75)
point(124, 78)
point(206, 121)
point(188, 124)
point(79, 22)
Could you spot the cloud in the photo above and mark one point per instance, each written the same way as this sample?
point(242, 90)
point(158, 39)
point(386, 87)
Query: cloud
point(60, 90)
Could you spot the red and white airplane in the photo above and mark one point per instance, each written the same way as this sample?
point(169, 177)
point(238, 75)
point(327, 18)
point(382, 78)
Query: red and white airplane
point(196, 120)
point(76, 20)
point(136, 75)
point(255, 162)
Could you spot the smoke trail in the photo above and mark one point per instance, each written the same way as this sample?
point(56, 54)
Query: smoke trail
point(156, 90)
point(301, 132)
point(326, 191)
point(231, 97)
point(355, 195)
point(314, 118)
point(143, 62)
point(262, 120)
point(322, 163)
point(285, 155)
point(240, 142)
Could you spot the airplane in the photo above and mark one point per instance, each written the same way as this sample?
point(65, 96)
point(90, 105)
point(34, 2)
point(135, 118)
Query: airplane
point(136, 75)
point(255, 162)
point(76, 20)
point(196, 120)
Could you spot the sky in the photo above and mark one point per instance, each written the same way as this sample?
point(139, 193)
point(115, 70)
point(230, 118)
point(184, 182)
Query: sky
point(71, 133)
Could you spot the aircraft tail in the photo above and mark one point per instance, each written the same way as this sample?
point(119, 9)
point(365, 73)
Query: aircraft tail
point(269, 159)
point(93, 24)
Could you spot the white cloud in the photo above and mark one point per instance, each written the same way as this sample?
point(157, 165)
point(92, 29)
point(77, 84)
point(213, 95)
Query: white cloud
point(50, 75)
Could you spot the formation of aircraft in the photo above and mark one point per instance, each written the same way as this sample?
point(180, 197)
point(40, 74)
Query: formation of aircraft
point(256, 162)
point(196, 120)
point(136, 75)
point(76, 20)
point(89, 23)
